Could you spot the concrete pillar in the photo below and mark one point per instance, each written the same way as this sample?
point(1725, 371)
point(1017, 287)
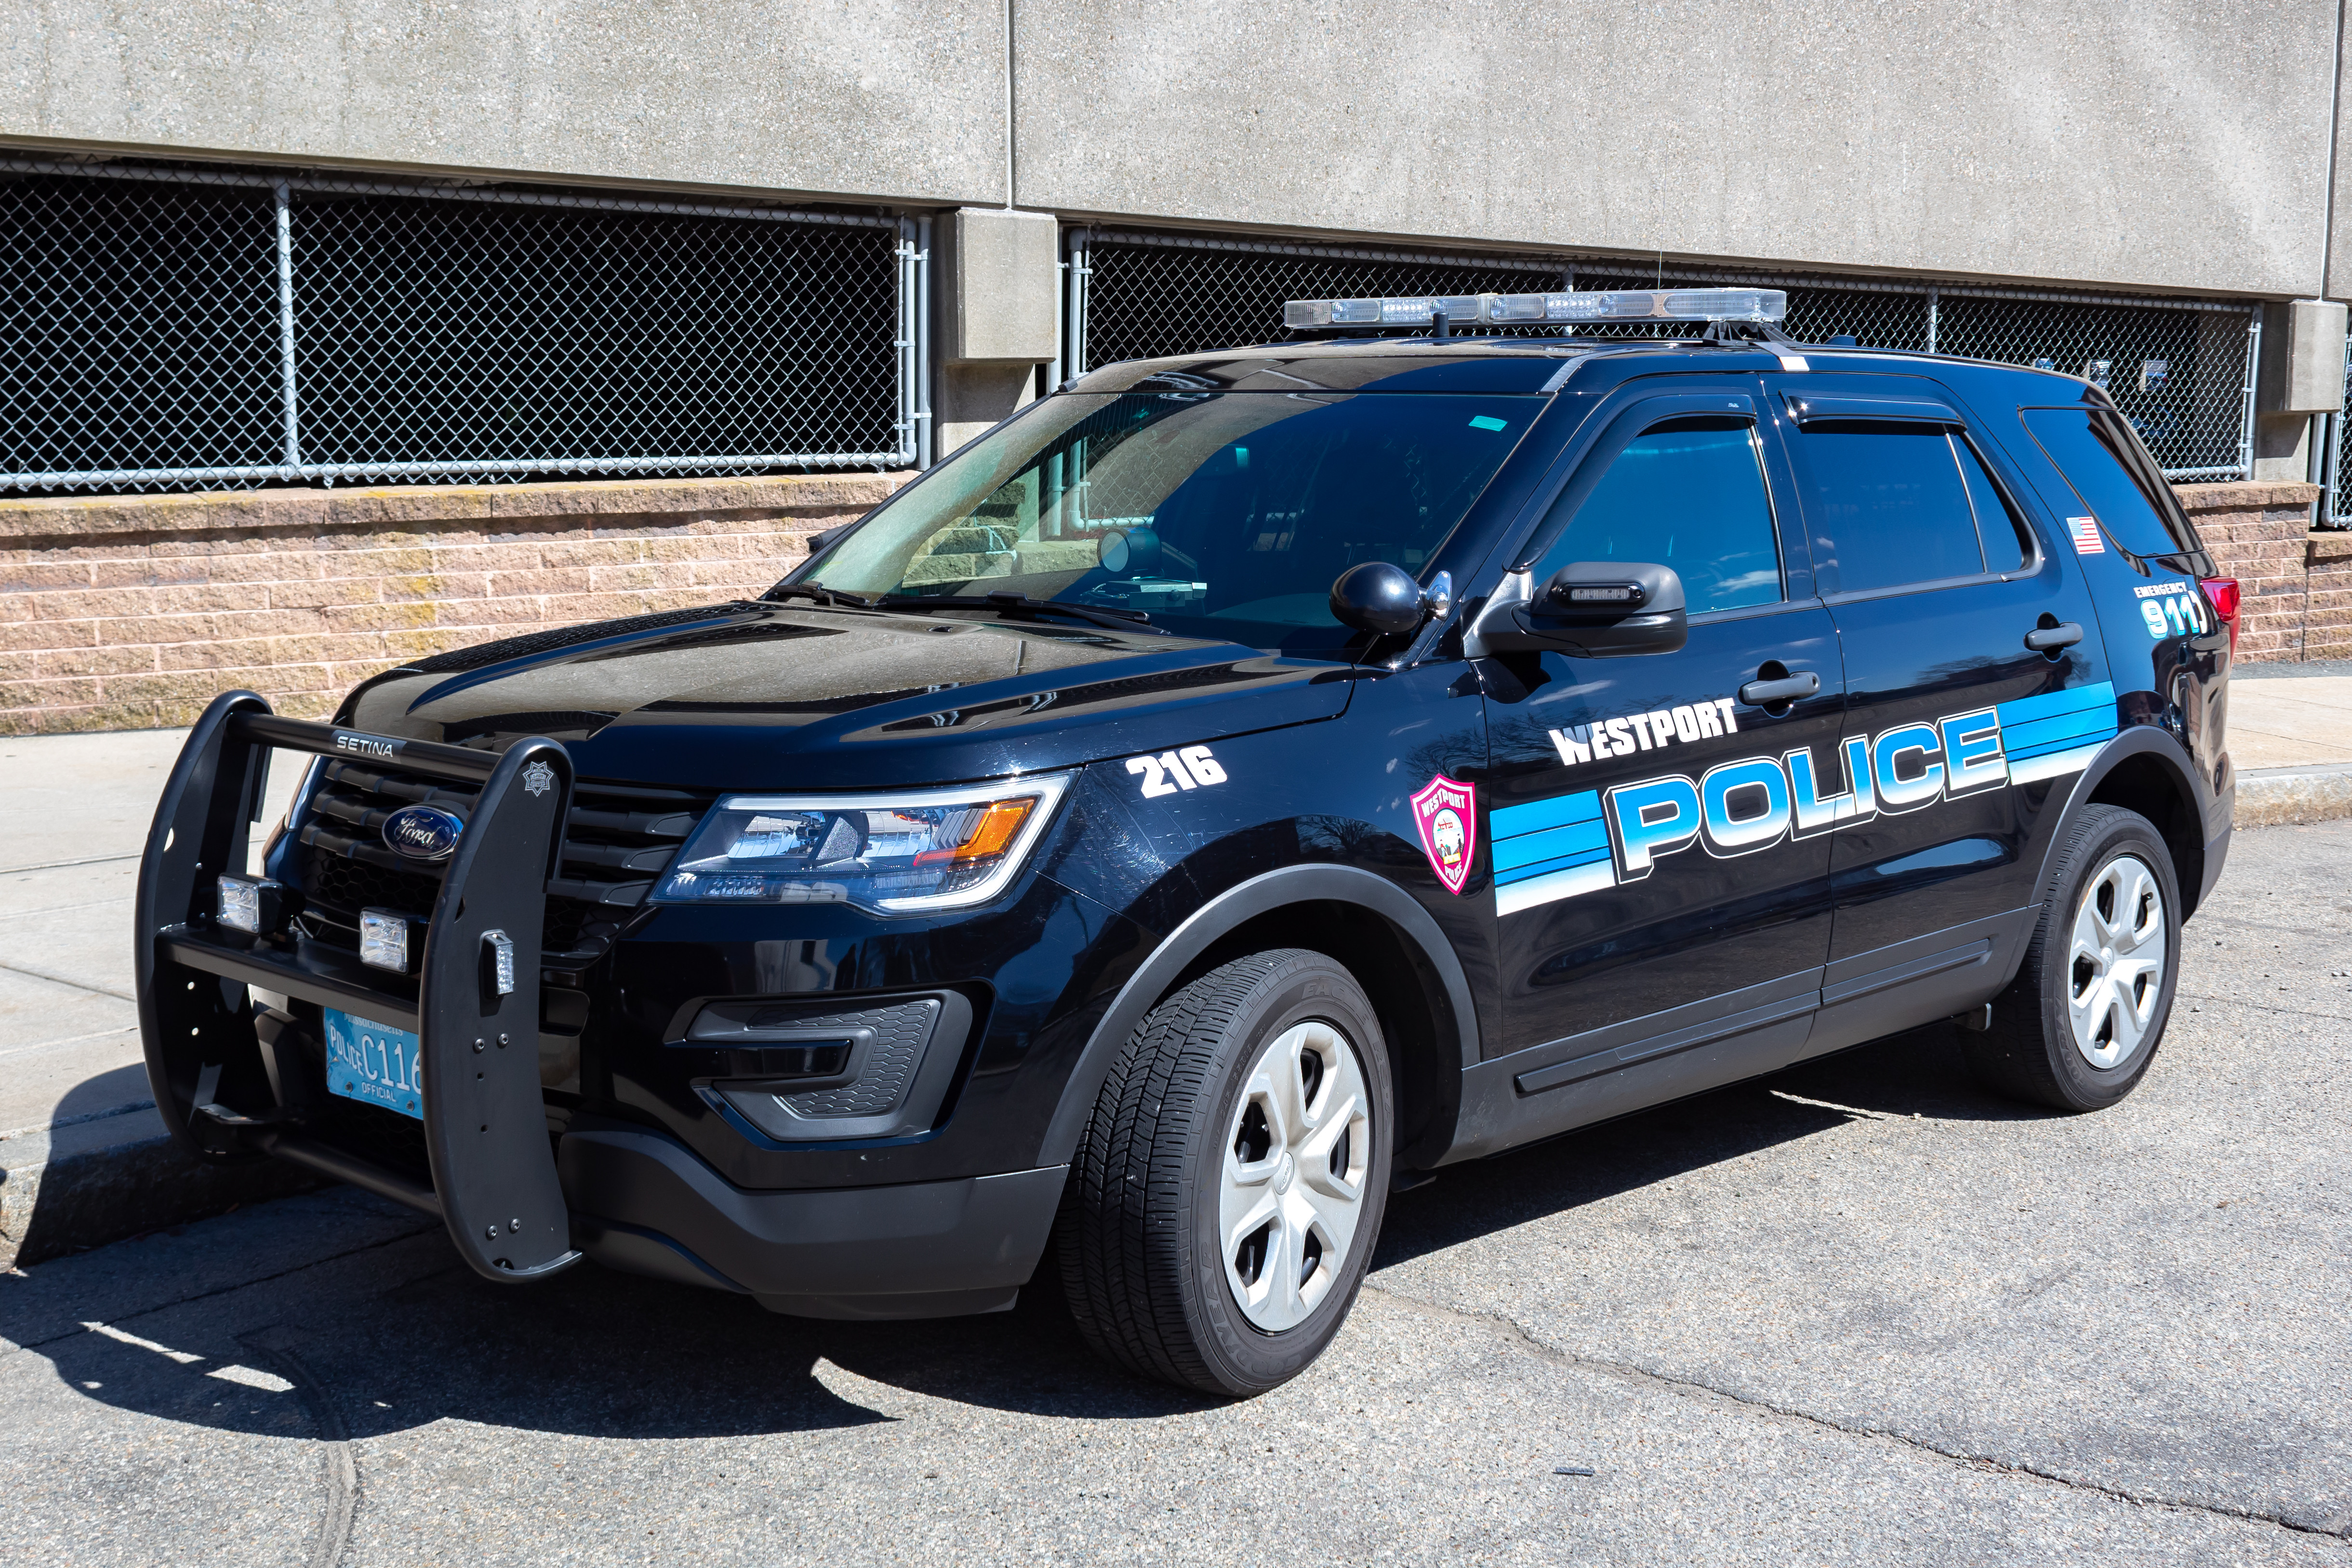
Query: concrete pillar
point(999, 292)
point(2301, 377)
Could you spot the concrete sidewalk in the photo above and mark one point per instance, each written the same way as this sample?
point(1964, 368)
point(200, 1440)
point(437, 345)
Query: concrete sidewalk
point(2291, 740)
point(79, 1138)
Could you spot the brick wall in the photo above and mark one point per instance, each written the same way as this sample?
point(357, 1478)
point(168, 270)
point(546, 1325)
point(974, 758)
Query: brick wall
point(2327, 620)
point(2295, 585)
point(132, 611)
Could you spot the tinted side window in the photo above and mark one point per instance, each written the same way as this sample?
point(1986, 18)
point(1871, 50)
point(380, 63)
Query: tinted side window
point(1689, 495)
point(2089, 446)
point(1999, 527)
point(1888, 506)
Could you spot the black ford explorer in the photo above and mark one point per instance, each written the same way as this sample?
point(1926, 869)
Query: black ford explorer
point(1230, 787)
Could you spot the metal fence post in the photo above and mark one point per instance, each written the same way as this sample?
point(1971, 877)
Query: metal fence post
point(924, 451)
point(2253, 363)
point(1935, 304)
point(904, 343)
point(285, 197)
point(1073, 331)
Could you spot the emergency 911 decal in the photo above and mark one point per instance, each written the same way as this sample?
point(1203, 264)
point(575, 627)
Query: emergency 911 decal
point(2173, 610)
point(1597, 839)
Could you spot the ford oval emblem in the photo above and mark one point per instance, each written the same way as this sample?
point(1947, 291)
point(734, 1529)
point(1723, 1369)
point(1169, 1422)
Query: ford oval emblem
point(423, 832)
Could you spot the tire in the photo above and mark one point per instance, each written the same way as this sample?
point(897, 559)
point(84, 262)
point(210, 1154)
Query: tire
point(2079, 1025)
point(1197, 1129)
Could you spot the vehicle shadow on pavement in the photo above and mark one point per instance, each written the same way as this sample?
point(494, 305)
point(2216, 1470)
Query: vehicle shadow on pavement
point(402, 1335)
point(397, 1334)
point(105, 1094)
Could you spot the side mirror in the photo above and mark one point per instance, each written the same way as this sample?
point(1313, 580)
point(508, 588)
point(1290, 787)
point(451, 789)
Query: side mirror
point(1592, 609)
point(1387, 600)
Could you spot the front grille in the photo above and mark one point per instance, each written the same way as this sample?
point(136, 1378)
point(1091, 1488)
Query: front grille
point(619, 839)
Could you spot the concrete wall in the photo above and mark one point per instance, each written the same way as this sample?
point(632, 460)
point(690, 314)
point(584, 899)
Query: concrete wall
point(872, 98)
point(2179, 144)
point(2171, 144)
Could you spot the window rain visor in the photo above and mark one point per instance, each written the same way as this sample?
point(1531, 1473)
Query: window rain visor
point(1222, 515)
point(894, 854)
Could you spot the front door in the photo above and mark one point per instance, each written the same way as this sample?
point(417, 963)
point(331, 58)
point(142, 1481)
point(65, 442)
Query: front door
point(1656, 832)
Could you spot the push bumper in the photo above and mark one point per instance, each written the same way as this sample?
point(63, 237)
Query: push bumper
point(493, 1178)
point(644, 1203)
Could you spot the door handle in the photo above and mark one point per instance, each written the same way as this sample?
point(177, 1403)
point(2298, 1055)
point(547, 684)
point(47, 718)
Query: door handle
point(1764, 693)
point(2049, 640)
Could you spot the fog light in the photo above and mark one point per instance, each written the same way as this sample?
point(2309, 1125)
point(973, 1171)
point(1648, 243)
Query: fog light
point(383, 940)
point(248, 904)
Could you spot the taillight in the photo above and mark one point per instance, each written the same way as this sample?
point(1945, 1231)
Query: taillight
point(2221, 593)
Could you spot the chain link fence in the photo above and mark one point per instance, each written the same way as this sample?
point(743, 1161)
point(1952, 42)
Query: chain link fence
point(186, 328)
point(2336, 513)
point(2181, 369)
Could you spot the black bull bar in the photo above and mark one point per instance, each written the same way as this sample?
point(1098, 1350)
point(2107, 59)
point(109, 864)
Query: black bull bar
point(492, 1164)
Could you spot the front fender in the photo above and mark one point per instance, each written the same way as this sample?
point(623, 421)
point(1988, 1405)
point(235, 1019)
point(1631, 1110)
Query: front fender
point(1227, 912)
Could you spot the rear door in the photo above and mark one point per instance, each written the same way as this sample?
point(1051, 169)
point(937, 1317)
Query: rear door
point(1957, 731)
point(1663, 917)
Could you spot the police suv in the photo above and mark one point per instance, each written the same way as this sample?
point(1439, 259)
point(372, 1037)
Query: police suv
point(1230, 788)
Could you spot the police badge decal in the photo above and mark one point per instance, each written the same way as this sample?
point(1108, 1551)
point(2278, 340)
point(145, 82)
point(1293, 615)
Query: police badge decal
point(1447, 814)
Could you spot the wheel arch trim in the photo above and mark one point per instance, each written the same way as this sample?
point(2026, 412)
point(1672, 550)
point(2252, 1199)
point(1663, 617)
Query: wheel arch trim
point(2139, 741)
point(1228, 910)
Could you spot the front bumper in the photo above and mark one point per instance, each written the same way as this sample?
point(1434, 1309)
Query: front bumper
point(643, 1203)
point(235, 1081)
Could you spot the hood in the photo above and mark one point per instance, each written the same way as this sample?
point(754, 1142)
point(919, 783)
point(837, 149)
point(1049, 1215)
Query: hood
point(762, 696)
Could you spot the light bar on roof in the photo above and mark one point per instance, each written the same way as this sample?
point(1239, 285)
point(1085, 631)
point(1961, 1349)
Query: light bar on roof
point(1467, 310)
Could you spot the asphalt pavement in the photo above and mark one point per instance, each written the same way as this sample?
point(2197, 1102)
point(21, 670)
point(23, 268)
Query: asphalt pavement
point(1858, 1312)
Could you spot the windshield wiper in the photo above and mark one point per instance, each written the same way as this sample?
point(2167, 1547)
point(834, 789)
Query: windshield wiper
point(1024, 606)
point(818, 592)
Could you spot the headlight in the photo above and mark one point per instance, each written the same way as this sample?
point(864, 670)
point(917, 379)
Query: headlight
point(895, 854)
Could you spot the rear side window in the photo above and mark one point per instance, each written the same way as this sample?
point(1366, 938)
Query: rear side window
point(2007, 544)
point(1888, 506)
point(2098, 456)
point(1690, 495)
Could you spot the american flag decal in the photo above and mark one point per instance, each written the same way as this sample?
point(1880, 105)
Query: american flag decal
point(2086, 535)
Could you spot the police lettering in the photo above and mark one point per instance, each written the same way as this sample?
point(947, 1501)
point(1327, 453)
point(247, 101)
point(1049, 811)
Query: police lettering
point(1739, 807)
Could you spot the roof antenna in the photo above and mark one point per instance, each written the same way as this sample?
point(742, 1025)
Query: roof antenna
point(1440, 325)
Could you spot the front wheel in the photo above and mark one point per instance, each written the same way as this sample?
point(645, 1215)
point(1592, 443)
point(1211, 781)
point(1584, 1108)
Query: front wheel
point(2078, 1027)
point(1228, 1191)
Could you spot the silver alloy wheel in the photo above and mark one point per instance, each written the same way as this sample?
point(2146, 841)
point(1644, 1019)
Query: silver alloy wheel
point(2114, 966)
point(1292, 1184)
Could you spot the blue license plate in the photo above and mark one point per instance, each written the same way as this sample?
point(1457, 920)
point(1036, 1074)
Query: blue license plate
point(374, 1063)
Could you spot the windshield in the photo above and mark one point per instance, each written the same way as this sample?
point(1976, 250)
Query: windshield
point(1221, 515)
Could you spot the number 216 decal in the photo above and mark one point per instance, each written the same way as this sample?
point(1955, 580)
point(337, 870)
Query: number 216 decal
point(1191, 768)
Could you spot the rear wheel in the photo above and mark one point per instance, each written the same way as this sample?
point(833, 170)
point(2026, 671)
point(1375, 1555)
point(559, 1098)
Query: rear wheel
point(2077, 1028)
point(1228, 1191)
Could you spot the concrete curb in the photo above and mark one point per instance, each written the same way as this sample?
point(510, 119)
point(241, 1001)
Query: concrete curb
point(2275, 797)
point(67, 1189)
